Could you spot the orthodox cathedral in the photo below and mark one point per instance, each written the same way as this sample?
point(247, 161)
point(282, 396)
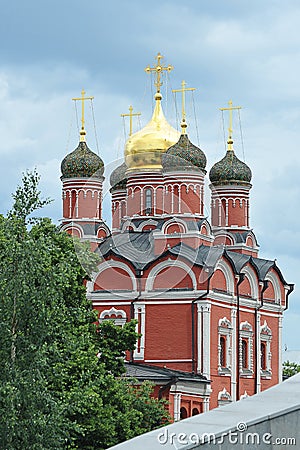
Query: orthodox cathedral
point(208, 308)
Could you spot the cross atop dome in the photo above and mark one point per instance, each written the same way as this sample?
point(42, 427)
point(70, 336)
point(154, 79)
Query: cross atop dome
point(131, 114)
point(230, 130)
point(183, 90)
point(159, 69)
point(82, 99)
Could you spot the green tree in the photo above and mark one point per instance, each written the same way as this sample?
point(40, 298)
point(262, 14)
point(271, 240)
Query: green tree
point(290, 368)
point(60, 387)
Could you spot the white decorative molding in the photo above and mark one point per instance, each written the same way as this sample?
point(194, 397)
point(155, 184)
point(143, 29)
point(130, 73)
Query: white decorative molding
point(265, 329)
point(246, 333)
point(252, 278)
point(177, 404)
point(279, 349)
point(69, 227)
point(111, 264)
point(225, 331)
point(246, 326)
point(119, 319)
point(227, 272)
point(225, 236)
point(224, 397)
point(244, 395)
point(139, 315)
point(233, 354)
point(272, 278)
point(258, 353)
point(174, 221)
point(224, 394)
point(266, 338)
point(165, 264)
point(225, 323)
point(206, 312)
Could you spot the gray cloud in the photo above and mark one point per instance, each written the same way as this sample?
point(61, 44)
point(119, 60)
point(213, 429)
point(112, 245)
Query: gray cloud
point(51, 50)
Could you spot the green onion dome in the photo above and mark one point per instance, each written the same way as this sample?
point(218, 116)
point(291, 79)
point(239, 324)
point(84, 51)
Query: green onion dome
point(118, 178)
point(184, 156)
point(82, 163)
point(230, 170)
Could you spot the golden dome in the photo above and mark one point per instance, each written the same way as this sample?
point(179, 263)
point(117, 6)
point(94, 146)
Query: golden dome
point(144, 149)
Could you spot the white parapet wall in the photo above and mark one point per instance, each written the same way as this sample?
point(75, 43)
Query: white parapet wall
point(268, 420)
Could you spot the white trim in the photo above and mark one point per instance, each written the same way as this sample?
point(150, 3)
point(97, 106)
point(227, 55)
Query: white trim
point(225, 394)
point(280, 349)
point(177, 403)
point(199, 337)
point(108, 313)
point(246, 333)
point(272, 278)
point(206, 311)
point(258, 353)
point(227, 271)
point(167, 360)
point(75, 227)
point(165, 264)
point(139, 315)
point(174, 221)
point(244, 395)
point(233, 354)
point(225, 330)
point(252, 278)
point(111, 264)
point(266, 338)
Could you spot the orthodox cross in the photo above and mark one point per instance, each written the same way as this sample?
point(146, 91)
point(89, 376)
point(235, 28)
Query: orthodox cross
point(159, 68)
point(183, 90)
point(82, 98)
point(130, 115)
point(230, 109)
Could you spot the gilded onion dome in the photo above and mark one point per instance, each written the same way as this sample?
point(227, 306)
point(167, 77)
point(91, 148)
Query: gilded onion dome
point(118, 178)
point(144, 149)
point(82, 163)
point(184, 156)
point(230, 170)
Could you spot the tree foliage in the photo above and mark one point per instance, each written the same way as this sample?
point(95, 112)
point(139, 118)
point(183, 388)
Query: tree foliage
point(290, 368)
point(60, 380)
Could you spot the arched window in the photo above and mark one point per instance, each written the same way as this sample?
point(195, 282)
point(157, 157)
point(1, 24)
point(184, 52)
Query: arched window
point(183, 413)
point(224, 347)
point(246, 349)
point(148, 201)
point(263, 355)
point(195, 411)
point(222, 351)
point(245, 354)
point(123, 208)
point(265, 350)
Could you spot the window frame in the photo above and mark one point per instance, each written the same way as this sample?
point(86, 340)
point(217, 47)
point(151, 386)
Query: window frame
point(266, 339)
point(148, 204)
point(246, 335)
point(225, 333)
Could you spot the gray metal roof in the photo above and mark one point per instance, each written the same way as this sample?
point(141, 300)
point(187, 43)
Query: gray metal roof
point(138, 249)
point(270, 415)
point(147, 372)
point(194, 224)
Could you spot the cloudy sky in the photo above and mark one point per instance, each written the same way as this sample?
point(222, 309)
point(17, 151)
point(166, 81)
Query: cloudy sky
point(245, 51)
